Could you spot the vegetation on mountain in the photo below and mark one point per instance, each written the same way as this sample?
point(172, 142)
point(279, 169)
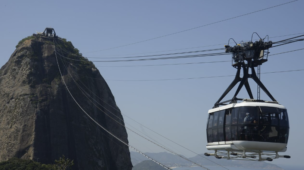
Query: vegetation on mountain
point(21, 164)
point(24, 39)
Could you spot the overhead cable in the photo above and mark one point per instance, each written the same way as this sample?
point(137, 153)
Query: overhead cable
point(204, 25)
point(170, 54)
point(158, 58)
point(155, 55)
point(204, 77)
point(173, 64)
point(153, 52)
point(118, 122)
point(88, 96)
point(99, 124)
point(288, 41)
point(189, 63)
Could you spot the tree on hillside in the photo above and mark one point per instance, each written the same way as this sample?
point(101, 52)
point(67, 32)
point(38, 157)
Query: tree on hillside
point(21, 164)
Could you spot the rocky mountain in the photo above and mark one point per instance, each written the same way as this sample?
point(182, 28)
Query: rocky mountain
point(39, 120)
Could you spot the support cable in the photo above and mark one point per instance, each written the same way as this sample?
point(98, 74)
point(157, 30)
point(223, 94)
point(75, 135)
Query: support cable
point(154, 55)
point(148, 53)
point(88, 96)
point(155, 143)
point(189, 63)
point(188, 52)
point(176, 64)
point(159, 58)
point(98, 123)
point(190, 29)
point(193, 78)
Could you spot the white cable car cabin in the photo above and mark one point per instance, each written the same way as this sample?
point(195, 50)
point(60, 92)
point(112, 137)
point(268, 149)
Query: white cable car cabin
point(251, 129)
point(249, 126)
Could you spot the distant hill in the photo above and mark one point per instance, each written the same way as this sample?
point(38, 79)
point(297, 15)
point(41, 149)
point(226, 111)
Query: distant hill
point(166, 158)
point(173, 161)
point(148, 165)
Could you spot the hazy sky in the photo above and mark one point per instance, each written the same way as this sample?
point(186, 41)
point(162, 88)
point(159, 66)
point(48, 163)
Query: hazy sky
point(176, 109)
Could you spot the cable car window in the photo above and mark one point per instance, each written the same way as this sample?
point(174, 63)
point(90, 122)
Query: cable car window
point(234, 116)
point(228, 133)
point(283, 118)
point(283, 134)
point(264, 133)
point(269, 116)
point(274, 118)
point(228, 117)
point(214, 135)
point(268, 133)
point(247, 115)
point(273, 134)
point(254, 130)
point(241, 132)
point(233, 132)
point(248, 133)
point(221, 117)
point(210, 121)
point(215, 119)
point(220, 134)
point(209, 135)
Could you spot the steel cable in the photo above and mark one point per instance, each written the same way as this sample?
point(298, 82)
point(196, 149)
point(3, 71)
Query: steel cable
point(178, 32)
point(155, 143)
point(93, 100)
point(99, 124)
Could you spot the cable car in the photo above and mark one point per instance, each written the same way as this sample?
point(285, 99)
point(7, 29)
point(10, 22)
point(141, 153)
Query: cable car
point(247, 129)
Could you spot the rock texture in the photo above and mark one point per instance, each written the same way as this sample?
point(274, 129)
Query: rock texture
point(40, 121)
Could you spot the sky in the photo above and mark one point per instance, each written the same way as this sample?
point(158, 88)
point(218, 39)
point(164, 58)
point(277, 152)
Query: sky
point(176, 109)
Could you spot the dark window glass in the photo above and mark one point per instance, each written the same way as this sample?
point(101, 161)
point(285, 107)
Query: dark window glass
point(215, 119)
point(283, 134)
point(210, 120)
point(247, 115)
point(283, 118)
point(221, 117)
point(265, 124)
point(269, 116)
point(228, 133)
point(220, 133)
point(209, 135)
point(264, 119)
point(264, 133)
point(241, 132)
point(233, 132)
point(245, 132)
point(274, 118)
point(228, 117)
point(234, 116)
point(214, 135)
point(251, 133)
point(273, 134)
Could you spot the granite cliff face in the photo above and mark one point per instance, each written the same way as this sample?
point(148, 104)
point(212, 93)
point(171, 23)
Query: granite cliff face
point(40, 121)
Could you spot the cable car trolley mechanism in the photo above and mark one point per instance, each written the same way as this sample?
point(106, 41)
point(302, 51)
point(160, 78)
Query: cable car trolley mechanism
point(247, 129)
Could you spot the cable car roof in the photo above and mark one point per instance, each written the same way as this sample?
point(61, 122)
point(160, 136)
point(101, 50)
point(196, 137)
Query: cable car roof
point(247, 103)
